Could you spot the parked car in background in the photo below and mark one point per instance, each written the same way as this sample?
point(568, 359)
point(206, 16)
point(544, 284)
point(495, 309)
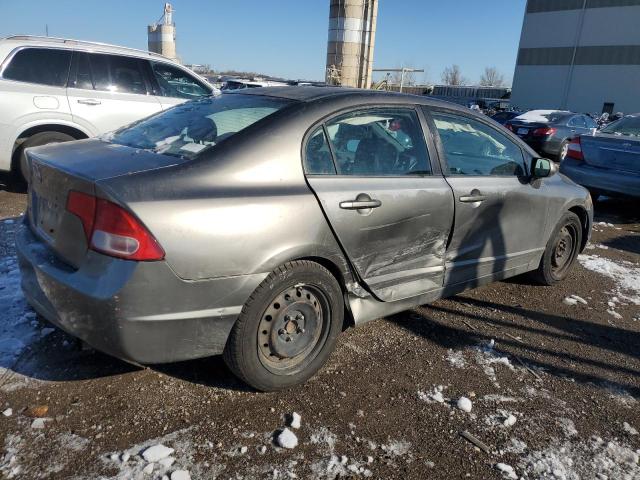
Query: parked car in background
point(548, 132)
point(241, 83)
point(55, 90)
point(607, 162)
point(505, 116)
point(259, 223)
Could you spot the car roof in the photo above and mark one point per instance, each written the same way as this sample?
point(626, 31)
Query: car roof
point(15, 41)
point(305, 93)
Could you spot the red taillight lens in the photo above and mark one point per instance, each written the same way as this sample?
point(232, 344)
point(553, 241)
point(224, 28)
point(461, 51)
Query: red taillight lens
point(111, 230)
point(544, 131)
point(84, 207)
point(575, 149)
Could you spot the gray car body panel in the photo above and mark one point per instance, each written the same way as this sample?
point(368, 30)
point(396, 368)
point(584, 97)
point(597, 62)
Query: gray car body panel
point(241, 209)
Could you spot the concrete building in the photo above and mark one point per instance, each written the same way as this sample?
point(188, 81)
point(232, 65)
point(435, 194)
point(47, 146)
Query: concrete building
point(162, 35)
point(352, 31)
point(580, 55)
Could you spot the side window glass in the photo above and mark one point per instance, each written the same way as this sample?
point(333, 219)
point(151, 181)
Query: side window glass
point(317, 156)
point(118, 74)
point(176, 83)
point(83, 73)
point(45, 66)
point(472, 148)
point(581, 122)
point(379, 142)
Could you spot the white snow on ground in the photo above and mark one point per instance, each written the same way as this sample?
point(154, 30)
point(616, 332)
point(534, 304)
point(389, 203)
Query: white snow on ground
point(287, 439)
point(574, 300)
point(456, 359)
point(294, 421)
point(625, 275)
point(18, 328)
point(434, 396)
point(507, 471)
point(487, 357)
point(629, 429)
point(592, 459)
point(464, 404)
point(397, 447)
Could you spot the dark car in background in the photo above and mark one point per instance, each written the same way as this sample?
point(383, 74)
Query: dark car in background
point(549, 132)
point(504, 117)
point(608, 161)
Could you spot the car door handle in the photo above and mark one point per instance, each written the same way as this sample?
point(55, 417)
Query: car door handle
point(473, 198)
point(89, 101)
point(358, 204)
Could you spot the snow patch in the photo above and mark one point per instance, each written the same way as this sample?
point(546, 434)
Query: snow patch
point(625, 275)
point(456, 359)
point(434, 396)
point(507, 471)
point(287, 439)
point(464, 404)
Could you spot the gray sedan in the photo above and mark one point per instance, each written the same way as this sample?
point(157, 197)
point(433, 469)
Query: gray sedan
point(607, 162)
point(259, 224)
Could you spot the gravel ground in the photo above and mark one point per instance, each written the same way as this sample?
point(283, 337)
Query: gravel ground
point(553, 384)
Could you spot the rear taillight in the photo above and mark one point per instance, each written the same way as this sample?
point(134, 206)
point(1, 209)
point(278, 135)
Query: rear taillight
point(544, 132)
point(574, 149)
point(508, 127)
point(111, 230)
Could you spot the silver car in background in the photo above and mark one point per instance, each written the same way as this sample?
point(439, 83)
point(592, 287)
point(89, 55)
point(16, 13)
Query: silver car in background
point(259, 223)
point(607, 162)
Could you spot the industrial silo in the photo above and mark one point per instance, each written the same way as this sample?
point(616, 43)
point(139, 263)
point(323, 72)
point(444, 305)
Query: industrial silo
point(352, 29)
point(162, 34)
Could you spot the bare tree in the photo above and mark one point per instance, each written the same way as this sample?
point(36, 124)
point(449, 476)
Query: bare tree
point(492, 78)
point(396, 78)
point(452, 76)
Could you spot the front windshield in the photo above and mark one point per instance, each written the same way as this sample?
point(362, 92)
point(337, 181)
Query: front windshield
point(624, 126)
point(192, 127)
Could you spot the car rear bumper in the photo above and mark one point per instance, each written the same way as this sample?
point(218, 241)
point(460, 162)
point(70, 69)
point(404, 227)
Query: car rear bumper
point(601, 180)
point(137, 311)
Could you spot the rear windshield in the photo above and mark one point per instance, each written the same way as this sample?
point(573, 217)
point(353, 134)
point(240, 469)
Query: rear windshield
point(624, 126)
point(191, 128)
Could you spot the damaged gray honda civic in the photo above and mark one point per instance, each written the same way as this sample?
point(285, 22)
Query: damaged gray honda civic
point(259, 224)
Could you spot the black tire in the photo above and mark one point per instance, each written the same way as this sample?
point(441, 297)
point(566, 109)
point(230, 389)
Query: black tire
point(561, 251)
point(37, 140)
point(288, 327)
point(562, 154)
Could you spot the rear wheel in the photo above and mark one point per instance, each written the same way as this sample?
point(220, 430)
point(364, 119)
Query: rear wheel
point(564, 149)
point(37, 140)
point(288, 327)
point(561, 251)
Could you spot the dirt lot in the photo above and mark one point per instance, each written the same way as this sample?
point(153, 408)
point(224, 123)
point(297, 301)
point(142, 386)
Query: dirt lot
point(554, 383)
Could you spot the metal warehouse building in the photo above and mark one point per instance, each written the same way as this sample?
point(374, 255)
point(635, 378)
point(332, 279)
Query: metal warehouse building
point(580, 55)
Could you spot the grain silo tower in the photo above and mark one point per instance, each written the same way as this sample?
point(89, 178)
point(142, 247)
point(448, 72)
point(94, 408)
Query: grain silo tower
point(162, 34)
point(352, 31)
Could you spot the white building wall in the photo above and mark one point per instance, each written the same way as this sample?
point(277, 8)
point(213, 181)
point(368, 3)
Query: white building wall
point(582, 88)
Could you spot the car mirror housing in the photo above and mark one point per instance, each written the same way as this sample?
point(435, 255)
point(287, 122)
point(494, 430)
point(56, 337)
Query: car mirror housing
point(543, 167)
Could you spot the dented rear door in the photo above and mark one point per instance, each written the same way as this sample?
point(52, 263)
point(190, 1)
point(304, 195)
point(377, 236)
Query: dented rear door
point(390, 212)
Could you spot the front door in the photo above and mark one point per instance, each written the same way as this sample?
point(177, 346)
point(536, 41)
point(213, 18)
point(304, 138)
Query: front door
point(500, 214)
point(374, 181)
point(107, 92)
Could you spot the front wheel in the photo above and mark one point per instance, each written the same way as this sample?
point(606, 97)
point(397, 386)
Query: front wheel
point(561, 251)
point(288, 327)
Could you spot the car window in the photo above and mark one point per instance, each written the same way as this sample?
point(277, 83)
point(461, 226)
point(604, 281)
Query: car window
point(116, 73)
point(174, 82)
point(625, 126)
point(193, 127)
point(578, 121)
point(473, 148)
point(379, 142)
point(591, 123)
point(45, 66)
point(317, 156)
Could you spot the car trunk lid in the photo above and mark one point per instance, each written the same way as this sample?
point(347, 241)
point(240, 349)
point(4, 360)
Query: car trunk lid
point(56, 170)
point(525, 129)
point(615, 152)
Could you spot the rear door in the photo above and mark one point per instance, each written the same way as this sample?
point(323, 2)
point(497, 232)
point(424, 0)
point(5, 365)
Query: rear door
point(107, 92)
point(392, 213)
point(500, 215)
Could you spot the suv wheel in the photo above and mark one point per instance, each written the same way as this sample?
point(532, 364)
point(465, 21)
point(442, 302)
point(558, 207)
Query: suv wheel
point(36, 140)
point(288, 327)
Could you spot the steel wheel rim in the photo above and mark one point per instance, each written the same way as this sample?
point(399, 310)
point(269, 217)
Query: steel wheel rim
point(564, 250)
point(293, 329)
point(564, 151)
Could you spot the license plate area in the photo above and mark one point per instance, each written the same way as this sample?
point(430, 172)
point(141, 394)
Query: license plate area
point(522, 131)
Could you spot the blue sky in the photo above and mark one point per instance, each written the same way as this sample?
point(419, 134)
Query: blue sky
point(288, 37)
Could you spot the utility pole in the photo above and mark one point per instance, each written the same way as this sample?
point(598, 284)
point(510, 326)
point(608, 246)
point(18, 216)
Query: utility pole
point(402, 71)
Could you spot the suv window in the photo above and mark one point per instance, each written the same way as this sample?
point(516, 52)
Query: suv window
point(473, 148)
point(45, 66)
point(113, 73)
point(174, 82)
point(379, 142)
point(578, 121)
point(317, 158)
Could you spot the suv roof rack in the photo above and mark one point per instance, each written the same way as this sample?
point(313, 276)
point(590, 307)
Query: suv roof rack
point(70, 41)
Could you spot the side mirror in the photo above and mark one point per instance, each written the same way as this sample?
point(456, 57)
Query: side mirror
point(543, 168)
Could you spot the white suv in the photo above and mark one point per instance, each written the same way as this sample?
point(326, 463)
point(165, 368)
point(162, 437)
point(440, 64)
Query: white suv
point(56, 90)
